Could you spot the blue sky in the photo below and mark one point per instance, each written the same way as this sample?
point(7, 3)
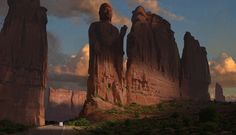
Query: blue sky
point(211, 22)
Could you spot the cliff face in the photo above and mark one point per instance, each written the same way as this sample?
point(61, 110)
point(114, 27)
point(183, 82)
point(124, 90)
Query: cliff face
point(219, 95)
point(23, 62)
point(154, 71)
point(153, 60)
point(64, 104)
point(105, 81)
point(195, 70)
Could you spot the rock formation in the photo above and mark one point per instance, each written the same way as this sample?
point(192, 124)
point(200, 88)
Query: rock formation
point(153, 60)
point(23, 62)
point(64, 104)
point(105, 79)
point(219, 95)
point(154, 71)
point(195, 70)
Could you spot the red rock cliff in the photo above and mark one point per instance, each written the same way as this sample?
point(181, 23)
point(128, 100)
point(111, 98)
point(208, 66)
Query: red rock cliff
point(23, 62)
point(153, 60)
point(195, 70)
point(64, 104)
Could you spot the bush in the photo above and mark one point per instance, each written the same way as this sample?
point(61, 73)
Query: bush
point(9, 127)
point(112, 111)
point(208, 114)
point(78, 122)
point(209, 126)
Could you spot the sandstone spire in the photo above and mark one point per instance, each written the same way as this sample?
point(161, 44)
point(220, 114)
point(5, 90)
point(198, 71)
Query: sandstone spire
point(195, 70)
point(105, 82)
point(23, 60)
point(219, 95)
point(153, 60)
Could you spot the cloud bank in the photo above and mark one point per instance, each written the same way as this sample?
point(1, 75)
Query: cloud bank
point(77, 9)
point(73, 65)
point(153, 6)
point(65, 71)
point(88, 9)
point(223, 70)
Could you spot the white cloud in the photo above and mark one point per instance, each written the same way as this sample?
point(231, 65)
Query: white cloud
point(223, 70)
point(75, 65)
point(78, 9)
point(153, 6)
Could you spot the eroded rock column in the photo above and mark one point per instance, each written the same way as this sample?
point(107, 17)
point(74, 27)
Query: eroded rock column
point(219, 95)
point(23, 63)
point(153, 60)
point(106, 77)
point(195, 70)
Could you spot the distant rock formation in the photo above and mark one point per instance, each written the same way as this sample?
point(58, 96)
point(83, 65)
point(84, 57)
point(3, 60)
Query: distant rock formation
point(23, 62)
point(153, 60)
point(64, 104)
point(195, 70)
point(219, 95)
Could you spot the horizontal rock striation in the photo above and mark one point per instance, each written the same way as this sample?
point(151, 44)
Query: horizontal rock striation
point(64, 104)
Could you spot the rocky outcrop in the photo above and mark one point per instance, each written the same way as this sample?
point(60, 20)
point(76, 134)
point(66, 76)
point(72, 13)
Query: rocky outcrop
point(154, 70)
point(153, 60)
point(195, 70)
point(64, 104)
point(105, 81)
point(23, 62)
point(219, 95)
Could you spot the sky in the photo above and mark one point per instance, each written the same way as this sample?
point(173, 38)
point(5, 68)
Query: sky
point(212, 22)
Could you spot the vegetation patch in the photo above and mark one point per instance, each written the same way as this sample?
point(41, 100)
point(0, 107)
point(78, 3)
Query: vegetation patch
point(78, 122)
point(172, 118)
point(8, 127)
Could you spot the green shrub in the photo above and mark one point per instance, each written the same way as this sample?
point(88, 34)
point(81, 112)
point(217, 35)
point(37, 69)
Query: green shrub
point(175, 115)
point(208, 114)
point(9, 127)
point(78, 122)
point(160, 107)
point(136, 114)
point(209, 126)
point(112, 111)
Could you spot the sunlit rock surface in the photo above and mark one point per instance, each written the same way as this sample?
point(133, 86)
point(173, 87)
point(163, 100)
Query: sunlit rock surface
point(153, 60)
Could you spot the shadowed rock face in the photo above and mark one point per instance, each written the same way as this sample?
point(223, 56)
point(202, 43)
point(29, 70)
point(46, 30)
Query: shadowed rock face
point(62, 104)
point(105, 79)
point(153, 60)
point(219, 95)
point(23, 62)
point(195, 70)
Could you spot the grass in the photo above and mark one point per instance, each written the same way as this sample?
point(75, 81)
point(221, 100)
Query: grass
point(173, 118)
point(8, 127)
point(78, 122)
